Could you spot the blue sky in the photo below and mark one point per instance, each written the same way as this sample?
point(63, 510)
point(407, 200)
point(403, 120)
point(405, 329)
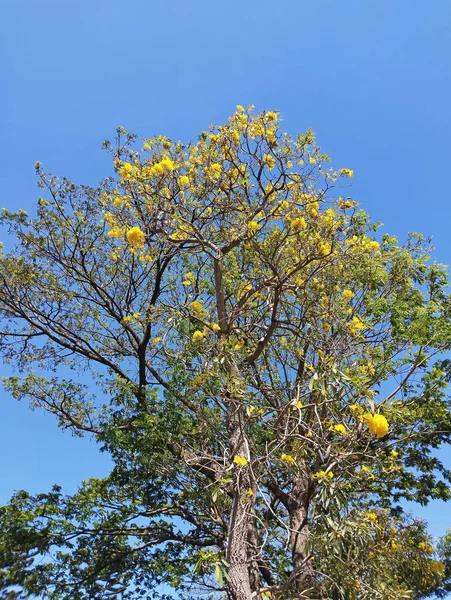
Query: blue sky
point(373, 79)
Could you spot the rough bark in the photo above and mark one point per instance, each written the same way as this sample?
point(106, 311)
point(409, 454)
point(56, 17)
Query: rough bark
point(302, 565)
point(241, 517)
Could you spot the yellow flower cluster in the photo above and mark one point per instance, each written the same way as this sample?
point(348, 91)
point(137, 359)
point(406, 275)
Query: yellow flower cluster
point(215, 171)
point(189, 279)
point(256, 129)
point(116, 232)
point(437, 566)
point(363, 242)
point(340, 428)
point(371, 516)
point(287, 458)
point(243, 289)
point(269, 161)
point(183, 180)
point(323, 476)
point(377, 424)
point(345, 204)
point(348, 294)
point(132, 318)
point(426, 548)
point(347, 173)
point(197, 306)
point(161, 168)
point(127, 171)
point(198, 336)
point(240, 460)
point(136, 237)
point(373, 245)
point(356, 325)
point(298, 224)
point(239, 344)
point(253, 226)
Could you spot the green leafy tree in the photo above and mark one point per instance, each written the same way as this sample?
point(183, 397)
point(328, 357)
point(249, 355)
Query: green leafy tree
point(267, 377)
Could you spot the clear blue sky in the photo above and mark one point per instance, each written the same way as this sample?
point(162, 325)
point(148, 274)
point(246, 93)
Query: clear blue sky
point(373, 79)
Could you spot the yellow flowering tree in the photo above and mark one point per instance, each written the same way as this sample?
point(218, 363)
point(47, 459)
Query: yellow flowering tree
point(271, 377)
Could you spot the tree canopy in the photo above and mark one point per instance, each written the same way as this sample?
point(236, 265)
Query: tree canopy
point(266, 370)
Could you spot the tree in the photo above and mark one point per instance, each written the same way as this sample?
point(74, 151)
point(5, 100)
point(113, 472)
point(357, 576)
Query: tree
point(268, 378)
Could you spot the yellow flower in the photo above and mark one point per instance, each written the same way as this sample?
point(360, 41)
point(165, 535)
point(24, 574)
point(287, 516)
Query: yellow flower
point(344, 204)
point(287, 458)
point(323, 476)
point(198, 336)
point(215, 170)
point(437, 566)
point(348, 294)
point(253, 225)
point(394, 453)
point(340, 428)
point(324, 249)
point(371, 516)
point(257, 129)
point(270, 134)
point(167, 164)
point(215, 327)
point(269, 161)
point(136, 237)
point(119, 200)
point(426, 548)
point(298, 224)
point(241, 120)
point(146, 146)
point(189, 279)
point(183, 180)
point(127, 319)
point(146, 258)
point(271, 116)
point(243, 289)
point(240, 460)
point(197, 306)
point(240, 344)
point(372, 245)
point(115, 232)
point(366, 469)
point(127, 171)
point(157, 169)
point(312, 160)
point(377, 424)
point(164, 166)
point(235, 135)
point(347, 173)
point(156, 340)
point(356, 325)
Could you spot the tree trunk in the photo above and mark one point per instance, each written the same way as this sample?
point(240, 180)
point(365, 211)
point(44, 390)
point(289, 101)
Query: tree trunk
point(241, 586)
point(302, 565)
point(242, 583)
